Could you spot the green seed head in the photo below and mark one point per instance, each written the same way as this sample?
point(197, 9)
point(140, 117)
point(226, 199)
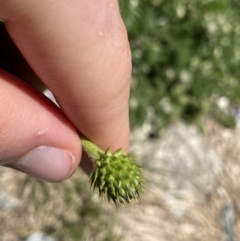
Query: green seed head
point(117, 176)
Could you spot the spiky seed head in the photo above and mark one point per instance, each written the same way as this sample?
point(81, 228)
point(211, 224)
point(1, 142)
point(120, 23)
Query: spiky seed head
point(118, 177)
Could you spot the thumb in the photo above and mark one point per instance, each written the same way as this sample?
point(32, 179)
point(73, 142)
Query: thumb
point(35, 136)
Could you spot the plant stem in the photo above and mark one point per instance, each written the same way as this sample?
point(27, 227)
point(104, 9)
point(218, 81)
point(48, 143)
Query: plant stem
point(90, 148)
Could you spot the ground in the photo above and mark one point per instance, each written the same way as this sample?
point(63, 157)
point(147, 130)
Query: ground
point(215, 218)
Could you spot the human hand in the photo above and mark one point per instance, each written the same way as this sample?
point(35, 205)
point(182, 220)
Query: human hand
point(79, 50)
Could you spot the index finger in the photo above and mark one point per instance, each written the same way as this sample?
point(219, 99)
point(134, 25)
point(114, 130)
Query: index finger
point(79, 49)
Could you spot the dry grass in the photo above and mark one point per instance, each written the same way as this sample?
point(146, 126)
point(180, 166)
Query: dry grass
point(68, 210)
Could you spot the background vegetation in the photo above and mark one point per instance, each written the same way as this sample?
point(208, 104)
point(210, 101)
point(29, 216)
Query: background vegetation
point(185, 59)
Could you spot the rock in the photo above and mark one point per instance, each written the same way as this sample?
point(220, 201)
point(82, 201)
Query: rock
point(39, 236)
point(8, 198)
point(179, 165)
point(181, 172)
point(8, 201)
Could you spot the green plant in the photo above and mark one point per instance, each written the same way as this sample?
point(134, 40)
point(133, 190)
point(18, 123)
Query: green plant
point(185, 57)
point(116, 175)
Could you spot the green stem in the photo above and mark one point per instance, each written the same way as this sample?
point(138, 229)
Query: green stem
point(90, 148)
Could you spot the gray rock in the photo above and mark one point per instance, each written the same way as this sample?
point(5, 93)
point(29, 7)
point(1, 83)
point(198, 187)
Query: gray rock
point(8, 201)
point(39, 236)
point(179, 165)
point(181, 172)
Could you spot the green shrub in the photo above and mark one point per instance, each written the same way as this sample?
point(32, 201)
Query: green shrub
point(185, 56)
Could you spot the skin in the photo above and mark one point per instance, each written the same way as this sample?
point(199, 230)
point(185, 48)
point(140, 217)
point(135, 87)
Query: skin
point(80, 51)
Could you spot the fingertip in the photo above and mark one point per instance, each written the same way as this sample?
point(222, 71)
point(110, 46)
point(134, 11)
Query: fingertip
point(46, 163)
